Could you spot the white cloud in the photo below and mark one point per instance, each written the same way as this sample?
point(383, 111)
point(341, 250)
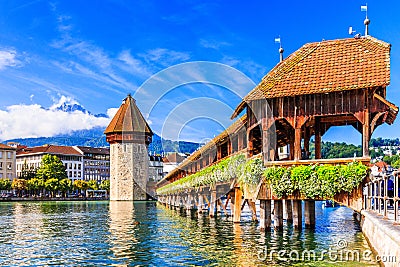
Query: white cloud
point(63, 100)
point(164, 57)
point(8, 59)
point(133, 65)
point(213, 44)
point(22, 121)
point(111, 112)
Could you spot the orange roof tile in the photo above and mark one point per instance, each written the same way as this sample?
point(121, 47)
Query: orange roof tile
point(128, 119)
point(327, 66)
point(49, 149)
point(3, 146)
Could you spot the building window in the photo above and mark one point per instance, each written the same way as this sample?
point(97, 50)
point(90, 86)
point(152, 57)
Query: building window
point(70, 174)
point(9, 166)
point(79, 174)
point(9, 155)
point(1, 165)
point(1, 154)
point(9, 176)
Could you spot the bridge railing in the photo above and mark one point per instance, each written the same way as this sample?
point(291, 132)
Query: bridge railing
point(382, 195)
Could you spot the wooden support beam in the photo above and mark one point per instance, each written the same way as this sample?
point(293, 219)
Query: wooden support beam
point(246, 201)
point(278, 215)
point(297, 144)
point(265, 215)
point(309, 214)
point(291, 148)
point(213, 203)
point(222, 206)
point(188, 205)
point(238, 202)
point(297, 214)
point(288, 211)
point(307, 141)
point(366, 134)
point(200, 205)
point(317, 129)
point(249, 143)
point(253, 209)
point(232, 202)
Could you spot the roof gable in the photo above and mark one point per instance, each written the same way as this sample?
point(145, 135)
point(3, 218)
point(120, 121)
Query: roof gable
point(128, 119)
point(328, 66)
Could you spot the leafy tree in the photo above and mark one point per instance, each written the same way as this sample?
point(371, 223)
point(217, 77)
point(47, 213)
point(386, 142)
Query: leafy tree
point(396, 164)
point(65, 185)
point(52, 167)
point(5, 184)
point(105, 185)
point(391, 159)
point(35, 185)
point(52, 185)
point(20, 185)
point(80, 185)
point(92, 184)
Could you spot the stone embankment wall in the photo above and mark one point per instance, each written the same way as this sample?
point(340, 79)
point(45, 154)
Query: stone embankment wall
point(383, 236)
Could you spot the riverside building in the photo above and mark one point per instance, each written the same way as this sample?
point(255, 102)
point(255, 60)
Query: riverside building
point(31, 157)
point(96, 163)
point(7, 162)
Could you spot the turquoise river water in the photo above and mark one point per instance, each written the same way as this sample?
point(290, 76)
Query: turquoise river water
point(147, 234)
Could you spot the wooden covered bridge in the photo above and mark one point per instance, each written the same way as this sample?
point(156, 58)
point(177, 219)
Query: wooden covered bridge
point(321, 85)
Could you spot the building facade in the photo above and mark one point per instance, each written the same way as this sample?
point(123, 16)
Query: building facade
point(31, 157)
point(80, 162)
point(7, 162)
point(96, 163)
point(155, 168)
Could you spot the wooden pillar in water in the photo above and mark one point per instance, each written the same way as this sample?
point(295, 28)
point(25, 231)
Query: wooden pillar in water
point(201, 204)
point(297, 214)
point(265, 215)
point(278, 215)
point(309, 214)
point(238, 205)
point(253, 209)
point(232, 202)
point(188, 204)
point(317, 129)
point(213, 203)
point(288, 211)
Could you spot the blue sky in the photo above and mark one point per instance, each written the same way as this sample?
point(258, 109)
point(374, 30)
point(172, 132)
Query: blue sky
point(96, 52)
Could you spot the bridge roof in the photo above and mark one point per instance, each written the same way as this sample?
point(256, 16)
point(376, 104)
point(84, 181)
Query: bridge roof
point(128, 119)
point(324, 67)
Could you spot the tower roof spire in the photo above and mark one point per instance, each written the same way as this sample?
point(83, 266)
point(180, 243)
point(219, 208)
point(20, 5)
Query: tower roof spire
point(128, 120)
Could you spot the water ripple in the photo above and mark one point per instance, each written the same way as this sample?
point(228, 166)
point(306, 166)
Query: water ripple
point(144, 234)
